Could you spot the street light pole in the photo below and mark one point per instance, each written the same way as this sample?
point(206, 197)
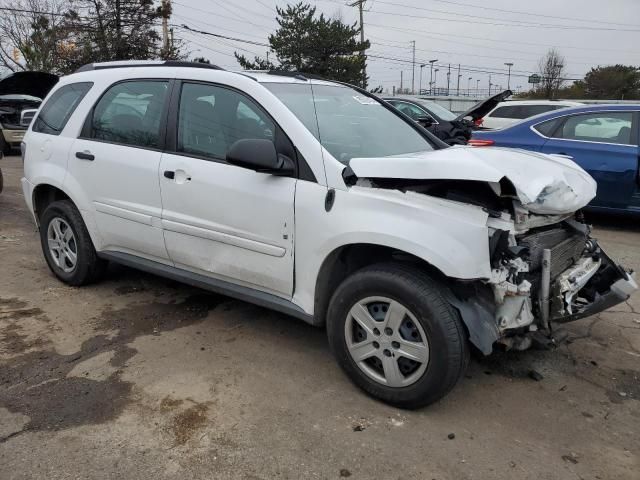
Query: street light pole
point(477, 86)
point(420, 87)
point(435, 79)
point(509, 65)
point(469, 86)
point(431, 75)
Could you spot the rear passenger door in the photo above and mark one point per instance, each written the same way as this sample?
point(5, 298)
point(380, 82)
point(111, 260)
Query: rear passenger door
point(605, 144)
point(219, 219)
point(115, 162)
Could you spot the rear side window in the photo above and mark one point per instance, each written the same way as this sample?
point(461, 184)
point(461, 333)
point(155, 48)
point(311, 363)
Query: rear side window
point(131, 113)
point(56, 112)
point(547, 128)
point(504, 112)
point(531, 110)
point(521, 112)
point(602, 127)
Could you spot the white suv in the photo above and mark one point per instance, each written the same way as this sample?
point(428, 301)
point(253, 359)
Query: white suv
point(318, 200)
point(513, 111)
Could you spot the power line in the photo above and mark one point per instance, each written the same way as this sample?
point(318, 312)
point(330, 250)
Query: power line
point(520, 12)
point(510, 24)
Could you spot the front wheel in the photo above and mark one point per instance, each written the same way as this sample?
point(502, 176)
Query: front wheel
point(395, 335)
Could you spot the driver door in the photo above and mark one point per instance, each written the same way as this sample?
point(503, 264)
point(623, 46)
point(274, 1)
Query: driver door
point(219, 219)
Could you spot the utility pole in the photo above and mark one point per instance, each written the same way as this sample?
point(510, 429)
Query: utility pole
point(401, 82)
point(431, 76)
point(166, 9)
point(489, 84)
point(413, 69)
point(458, 80)
point(360, 5)
point(509, 65)
point(118, 29)
point(448, 78)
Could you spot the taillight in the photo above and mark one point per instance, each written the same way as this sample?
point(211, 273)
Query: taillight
point(478, 122)
point(476, 142)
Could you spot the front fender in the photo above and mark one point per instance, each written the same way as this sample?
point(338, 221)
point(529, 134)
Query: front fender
point(451, 236)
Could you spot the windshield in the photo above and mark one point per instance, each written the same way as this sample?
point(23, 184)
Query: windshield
point(439, 110)
point(347, 123)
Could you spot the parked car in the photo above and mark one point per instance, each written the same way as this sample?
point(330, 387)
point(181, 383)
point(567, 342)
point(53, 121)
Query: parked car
point(20, 96)
point(447, 126)
point(316, 199)
point(602, 139)
point(508, 113)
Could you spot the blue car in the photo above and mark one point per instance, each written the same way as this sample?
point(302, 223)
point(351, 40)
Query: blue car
point(602, 139)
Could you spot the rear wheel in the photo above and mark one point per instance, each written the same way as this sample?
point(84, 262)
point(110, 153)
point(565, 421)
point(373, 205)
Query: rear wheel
point(395, 335)
point(67, 246)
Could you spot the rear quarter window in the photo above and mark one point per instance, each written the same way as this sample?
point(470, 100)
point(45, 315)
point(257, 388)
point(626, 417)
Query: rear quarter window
point(55, 113)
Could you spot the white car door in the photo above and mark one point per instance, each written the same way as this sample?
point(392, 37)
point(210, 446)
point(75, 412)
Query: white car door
point(221, 220)
point(115, 161)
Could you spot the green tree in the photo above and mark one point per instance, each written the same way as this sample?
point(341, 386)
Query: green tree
point(616, 82)
point(106, 30)
point(32, 35)
point(313, 44)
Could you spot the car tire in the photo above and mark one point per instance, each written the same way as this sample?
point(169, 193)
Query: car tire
point(428, 315)
point(67, 246)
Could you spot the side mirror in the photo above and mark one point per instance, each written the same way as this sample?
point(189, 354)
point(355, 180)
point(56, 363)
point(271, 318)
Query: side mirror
point(425, 121)
point(259, 155)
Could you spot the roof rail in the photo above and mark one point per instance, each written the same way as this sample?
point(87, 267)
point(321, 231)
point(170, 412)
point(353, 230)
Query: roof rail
point(145, 63)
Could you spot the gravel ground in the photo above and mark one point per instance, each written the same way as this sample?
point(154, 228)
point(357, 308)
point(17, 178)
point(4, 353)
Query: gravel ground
point(140, 377)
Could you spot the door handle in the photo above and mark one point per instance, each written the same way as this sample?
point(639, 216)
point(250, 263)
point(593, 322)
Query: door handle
point(85, 156)
point(170, 174)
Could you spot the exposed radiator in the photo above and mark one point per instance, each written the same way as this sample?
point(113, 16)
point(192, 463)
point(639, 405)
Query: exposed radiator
point(566, 247)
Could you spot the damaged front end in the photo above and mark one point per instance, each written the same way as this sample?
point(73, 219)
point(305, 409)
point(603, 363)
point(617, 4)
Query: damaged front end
point(552, 274)
point(545, 268)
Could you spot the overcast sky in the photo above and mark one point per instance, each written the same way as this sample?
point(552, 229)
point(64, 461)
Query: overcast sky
point(481, 35)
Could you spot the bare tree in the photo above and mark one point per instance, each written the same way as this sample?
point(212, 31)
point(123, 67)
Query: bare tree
point(551, 68)
point(32, 35)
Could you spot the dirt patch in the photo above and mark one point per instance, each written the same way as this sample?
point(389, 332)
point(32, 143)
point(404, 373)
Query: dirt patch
point(186, 423)
point(36, 384)
point(168, 403)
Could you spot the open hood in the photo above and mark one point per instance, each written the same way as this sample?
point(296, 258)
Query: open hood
point(479, 110)
point(544, 184)
point(35, 84)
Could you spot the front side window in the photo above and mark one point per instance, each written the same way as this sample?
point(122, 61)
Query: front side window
point(348, 123)
point(213, 118)
point(130, 113)
point(57, 110)
point(607, 127)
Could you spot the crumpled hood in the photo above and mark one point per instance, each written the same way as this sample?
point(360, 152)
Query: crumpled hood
point(545, 184)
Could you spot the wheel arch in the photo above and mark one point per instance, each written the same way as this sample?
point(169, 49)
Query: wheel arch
point(468, 297)
point(348, 258)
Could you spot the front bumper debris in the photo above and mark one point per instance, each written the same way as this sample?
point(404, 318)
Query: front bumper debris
point(550, 276)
